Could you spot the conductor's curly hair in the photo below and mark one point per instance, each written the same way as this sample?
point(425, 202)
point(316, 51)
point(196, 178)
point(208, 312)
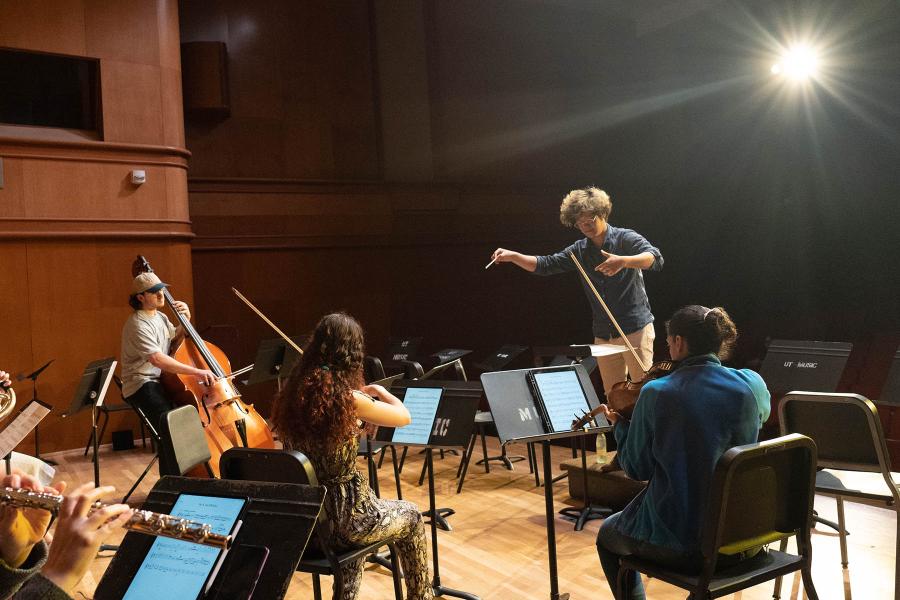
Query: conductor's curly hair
point(316, 405)
point(590, 200)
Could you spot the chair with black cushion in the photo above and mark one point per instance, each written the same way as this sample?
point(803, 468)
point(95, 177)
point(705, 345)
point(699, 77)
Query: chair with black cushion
point(760, 493)
point(853, 455)
point(320, 556)
point(182, 442)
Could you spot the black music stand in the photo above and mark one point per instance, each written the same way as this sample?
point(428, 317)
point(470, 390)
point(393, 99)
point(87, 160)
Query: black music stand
point(91, 391)
point(458, 403)
point(34, 397)
point(517, 420)
point(274, 360)
point(18, 429)
point(273, 509)
point(890, 393)
point(804, 365)
point(451, 427)
point(502, 358)
point(401, 350)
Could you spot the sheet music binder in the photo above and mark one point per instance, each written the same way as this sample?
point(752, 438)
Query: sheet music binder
point(272, 509)
point(512, 402)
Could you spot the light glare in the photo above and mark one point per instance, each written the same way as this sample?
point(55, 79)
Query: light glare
point(799, 62)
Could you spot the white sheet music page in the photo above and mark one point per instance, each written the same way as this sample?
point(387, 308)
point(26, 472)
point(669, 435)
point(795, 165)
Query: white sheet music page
point(21, 426)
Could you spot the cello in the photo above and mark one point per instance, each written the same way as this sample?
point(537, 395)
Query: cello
point(227, 420)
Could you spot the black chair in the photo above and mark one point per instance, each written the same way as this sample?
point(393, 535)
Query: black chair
point(182, 442)
point(760, 494)
point(106, 408)
point(852, 454)
point(320, 557)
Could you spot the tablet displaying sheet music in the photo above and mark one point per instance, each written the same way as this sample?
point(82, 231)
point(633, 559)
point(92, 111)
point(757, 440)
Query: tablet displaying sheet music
point(177, 568)
point(559, 397)
point(422, 404)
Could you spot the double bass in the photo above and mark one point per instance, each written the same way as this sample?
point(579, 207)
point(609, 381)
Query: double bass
point(227, 420)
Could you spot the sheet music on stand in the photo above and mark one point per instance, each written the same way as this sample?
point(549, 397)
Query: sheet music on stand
point(603, 349)
point(24, 423)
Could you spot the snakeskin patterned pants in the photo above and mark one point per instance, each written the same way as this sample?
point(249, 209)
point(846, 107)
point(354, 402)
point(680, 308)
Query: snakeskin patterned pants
point(395, 521)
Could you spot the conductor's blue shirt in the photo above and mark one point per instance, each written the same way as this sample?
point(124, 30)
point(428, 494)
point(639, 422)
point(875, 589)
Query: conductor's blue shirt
point(682, 424)
point(624, 292)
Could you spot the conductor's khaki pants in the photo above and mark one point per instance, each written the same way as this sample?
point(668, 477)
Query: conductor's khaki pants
point(616, 367)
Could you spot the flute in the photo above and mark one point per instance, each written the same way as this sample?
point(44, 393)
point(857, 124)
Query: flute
point(142, 521)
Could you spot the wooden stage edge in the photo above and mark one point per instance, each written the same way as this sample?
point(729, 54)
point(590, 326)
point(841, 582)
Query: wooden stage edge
point(498, 550)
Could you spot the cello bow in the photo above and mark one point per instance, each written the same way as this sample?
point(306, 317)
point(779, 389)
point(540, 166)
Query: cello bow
point(268, 321)
point(609, 313)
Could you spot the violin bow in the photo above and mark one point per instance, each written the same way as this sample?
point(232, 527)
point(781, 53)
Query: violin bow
point(608, 313)
point(266, 319)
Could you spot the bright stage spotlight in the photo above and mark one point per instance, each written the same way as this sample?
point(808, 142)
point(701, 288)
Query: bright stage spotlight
point(799, 62)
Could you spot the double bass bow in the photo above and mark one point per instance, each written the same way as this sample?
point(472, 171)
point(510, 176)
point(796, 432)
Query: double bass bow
point(227, 420)
point(623, 395)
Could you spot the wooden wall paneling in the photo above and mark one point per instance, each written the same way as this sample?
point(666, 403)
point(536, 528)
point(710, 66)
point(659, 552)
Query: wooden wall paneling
point(48, 26)
point(132, 106)
point(12, 194)
point(79, 294)
point(123, 30)
point(301, 88)
point(172, 107)
point(15, 351)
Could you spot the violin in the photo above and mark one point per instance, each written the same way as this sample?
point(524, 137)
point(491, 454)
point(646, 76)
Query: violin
point(623, 395)
point(227, 420)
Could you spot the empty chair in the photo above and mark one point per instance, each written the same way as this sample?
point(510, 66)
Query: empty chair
point(852, 452)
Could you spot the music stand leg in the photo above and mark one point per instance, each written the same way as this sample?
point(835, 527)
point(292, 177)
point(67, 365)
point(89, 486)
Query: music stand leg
point(439, 590)
point(537, 474)
point(96, 445)
point(396, 471)
point(140, 479)
point(588, 511)
point(551, 526)
point(464, 464)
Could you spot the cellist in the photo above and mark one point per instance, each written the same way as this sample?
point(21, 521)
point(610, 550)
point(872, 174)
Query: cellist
point(147, 337)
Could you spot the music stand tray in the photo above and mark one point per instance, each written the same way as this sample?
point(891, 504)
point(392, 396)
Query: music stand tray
point(17, 429)
point(91, 391)
point(274, 360)
point(272, 510)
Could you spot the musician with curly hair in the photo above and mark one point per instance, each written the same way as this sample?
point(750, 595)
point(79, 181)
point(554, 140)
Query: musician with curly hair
point(614, 258)
point(318, 413)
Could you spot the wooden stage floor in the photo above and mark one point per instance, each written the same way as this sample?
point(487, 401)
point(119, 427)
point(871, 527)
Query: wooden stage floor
point(498, 549)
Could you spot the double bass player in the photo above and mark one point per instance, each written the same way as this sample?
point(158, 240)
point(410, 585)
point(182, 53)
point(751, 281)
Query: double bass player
point(147, 338)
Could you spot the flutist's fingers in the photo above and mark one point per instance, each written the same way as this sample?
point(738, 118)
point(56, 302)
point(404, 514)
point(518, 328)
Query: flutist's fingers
point(109, 517)
point(81, 499)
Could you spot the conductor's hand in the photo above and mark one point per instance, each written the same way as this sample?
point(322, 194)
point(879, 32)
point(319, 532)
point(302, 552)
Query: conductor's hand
point(611, 415)
point(182, 309)
point(79, 534)
point(22, 528)
point(612, 265)
point(206, 376)
point(4, 378)
point(502, 255)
